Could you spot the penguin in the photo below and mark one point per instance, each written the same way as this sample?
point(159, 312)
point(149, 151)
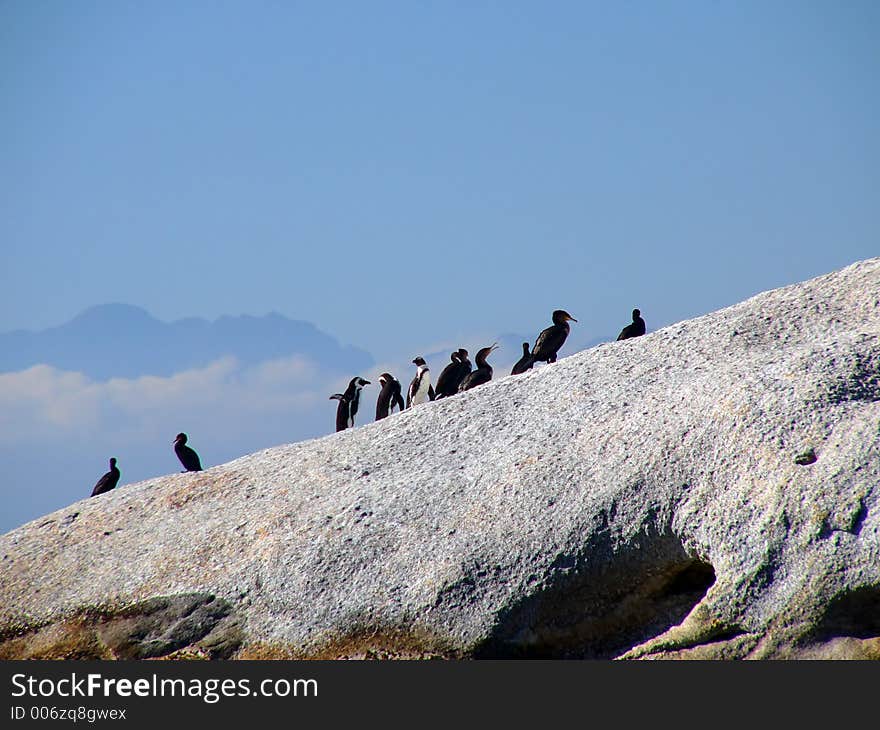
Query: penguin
point(636, 329)
point(483, 373)
point(188, 457)
point(353, 397)
point(551, 339)
point(341, 411)
point(524, 363)
point(389, 396)
point(447, 383)
point(108, 481)
point(420, 389)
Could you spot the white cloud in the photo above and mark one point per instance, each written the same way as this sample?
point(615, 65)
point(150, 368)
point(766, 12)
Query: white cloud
point(43, 401)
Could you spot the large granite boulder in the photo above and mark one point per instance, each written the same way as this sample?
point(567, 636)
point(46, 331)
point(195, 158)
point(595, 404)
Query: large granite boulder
point(708, 490)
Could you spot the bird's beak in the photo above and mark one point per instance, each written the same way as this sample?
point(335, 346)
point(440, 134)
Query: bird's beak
point(367, 382)
point(494, 346)
point(571, 318)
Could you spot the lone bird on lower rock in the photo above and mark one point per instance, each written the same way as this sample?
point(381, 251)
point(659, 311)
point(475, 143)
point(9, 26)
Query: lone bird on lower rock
point(636, 329)
point(188, 457)
point(108, 481)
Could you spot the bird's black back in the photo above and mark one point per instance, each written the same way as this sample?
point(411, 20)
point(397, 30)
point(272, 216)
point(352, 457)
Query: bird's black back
point(636, 329)
point(549, 342)
point(107, 482)
point(524, 363)
point(341, 411)
point(188, 457)
point(476, 377)
point(447, 383)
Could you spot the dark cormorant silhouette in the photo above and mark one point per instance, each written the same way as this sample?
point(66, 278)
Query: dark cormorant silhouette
point(108, 481)
point(636, 329)
point(341, 411)
point(188, 457)
point(420, 389)
point(389, 397)
point(551, 339)
point(464, 367)
point(482, 373)
point(447, 383)
point(524, 363)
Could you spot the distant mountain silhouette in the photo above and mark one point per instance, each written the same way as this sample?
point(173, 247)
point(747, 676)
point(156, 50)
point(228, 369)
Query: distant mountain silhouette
point(120, 340)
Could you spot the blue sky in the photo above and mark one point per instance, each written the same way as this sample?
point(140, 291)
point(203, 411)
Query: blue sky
point(410, 174)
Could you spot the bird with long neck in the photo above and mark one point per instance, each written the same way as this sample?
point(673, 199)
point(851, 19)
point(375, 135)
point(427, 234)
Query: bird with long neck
point(108, 481)
point(188, 457)
point(636, 329)
point(551, 339)
point(482, 373)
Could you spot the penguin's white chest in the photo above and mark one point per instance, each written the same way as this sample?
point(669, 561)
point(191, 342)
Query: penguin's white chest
point(424, 383)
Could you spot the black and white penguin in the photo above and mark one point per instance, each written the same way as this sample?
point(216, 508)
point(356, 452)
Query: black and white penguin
point(353, 396)
point(482, 373)
point(447, 383)
point(636, 329)
point(420, 389)
point(524, 363)
point(188, 457)
point(341, 411)
point(108, 481)
point(389, 397)
point(551, 339)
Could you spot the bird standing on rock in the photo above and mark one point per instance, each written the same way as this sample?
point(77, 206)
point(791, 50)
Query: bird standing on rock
point(524, 363)
point(341, 411)
point(420, 389)
point(482, 373)
point(188, 457)
point(453, 374)
point(389, 397)
point(550, 340)
point(353, 396)
point(636, 329)
point(108, 481)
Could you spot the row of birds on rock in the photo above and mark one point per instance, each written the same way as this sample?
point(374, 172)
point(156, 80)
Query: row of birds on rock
point(459, 376)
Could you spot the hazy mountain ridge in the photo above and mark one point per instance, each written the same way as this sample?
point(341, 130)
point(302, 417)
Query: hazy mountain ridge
point(121, 340)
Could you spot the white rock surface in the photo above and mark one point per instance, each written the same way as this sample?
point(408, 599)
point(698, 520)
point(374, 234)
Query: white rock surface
point(579, 510)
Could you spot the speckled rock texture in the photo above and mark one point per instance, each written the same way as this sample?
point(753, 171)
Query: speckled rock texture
point(709, 490)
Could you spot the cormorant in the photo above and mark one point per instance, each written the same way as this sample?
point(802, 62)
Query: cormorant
point(420, 389)
point(551, 339)
point(389, 397)
point(483, 372)
point(188, 457)
point(636, 329)
point(447, 383)
point(341, 411)
point(108, 481)
point(353, 397)
point(524, 363)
